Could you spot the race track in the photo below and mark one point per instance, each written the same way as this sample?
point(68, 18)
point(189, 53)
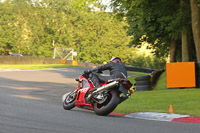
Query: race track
point(30, 102)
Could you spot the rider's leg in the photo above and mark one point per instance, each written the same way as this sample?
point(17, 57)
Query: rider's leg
point(103, 78)
point(95, 80)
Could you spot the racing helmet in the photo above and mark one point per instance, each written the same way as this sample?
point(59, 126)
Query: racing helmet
point(115, 59)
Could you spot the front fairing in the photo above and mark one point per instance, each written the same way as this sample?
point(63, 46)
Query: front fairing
point(84, 87)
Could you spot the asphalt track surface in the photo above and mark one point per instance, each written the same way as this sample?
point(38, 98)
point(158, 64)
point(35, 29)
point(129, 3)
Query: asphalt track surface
point(30, 102)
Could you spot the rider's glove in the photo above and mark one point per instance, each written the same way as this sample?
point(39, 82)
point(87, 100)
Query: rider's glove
point(87, 71)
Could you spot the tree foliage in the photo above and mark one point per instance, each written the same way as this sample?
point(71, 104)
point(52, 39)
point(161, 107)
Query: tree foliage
point(157, 22)
point(30, 27)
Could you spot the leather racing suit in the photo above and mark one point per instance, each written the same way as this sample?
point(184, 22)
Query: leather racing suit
point(117, 70)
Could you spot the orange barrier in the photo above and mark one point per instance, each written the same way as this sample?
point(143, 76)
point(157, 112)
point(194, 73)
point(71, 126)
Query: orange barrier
point(63, 61)
point(181, 74)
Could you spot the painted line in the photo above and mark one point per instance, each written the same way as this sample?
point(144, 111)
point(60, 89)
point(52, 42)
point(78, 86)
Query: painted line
point(195, 120)
point(9, 70)
point(12, 69)
point(154, 116)
point(118, 114)
point(160, 117)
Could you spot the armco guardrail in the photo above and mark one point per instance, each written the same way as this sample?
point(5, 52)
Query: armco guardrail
point(140, 69)
point(16, 60)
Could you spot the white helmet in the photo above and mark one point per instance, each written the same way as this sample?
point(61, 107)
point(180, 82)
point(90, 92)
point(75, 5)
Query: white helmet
point(115, 59)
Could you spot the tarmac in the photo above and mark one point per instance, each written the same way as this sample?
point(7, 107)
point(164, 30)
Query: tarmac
point(169, 117)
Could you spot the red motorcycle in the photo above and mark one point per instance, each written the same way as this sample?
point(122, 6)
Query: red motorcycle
point(103, 100)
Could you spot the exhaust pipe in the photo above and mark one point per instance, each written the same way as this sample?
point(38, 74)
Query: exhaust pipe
point(108, 86)
point(102, 88)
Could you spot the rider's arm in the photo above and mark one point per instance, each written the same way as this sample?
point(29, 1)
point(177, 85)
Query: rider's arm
point(107, 66)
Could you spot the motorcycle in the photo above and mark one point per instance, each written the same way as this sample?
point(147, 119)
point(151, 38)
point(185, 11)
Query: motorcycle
point(103, 100)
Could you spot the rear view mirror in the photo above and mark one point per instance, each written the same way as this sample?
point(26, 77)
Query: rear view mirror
point(77, 80)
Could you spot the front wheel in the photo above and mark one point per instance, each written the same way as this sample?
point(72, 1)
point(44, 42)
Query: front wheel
point(69, 101)
point(109, 105)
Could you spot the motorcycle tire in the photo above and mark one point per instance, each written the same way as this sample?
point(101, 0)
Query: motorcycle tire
point(144, 77)
point(70, 105)
point(143, 87)
point(143, 82)
point(109, 105)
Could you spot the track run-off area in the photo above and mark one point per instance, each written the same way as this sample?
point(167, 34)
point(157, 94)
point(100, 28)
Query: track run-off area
point(30, 102)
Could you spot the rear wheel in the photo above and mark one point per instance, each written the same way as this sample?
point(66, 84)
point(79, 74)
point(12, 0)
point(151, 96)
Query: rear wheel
point(111, 102)
point(69, 101)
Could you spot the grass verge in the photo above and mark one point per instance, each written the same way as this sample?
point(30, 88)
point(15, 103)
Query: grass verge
point(48, 66)
point(161, 83)
point(184, 101)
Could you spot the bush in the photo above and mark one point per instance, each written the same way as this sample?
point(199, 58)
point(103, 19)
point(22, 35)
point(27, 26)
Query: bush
point(148, 62)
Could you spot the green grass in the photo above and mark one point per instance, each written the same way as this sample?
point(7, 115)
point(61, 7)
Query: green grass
point(184, 101)
point(161, 83)
point(48, 66)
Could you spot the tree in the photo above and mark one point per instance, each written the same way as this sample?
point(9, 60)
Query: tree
point(160, 22)
point(184, 16)
point(9, 32)
point(196, 26)
point(30, 27)
point(97, 36)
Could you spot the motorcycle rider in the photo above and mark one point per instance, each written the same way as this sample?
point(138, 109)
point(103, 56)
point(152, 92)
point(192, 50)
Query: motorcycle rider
point(115, 66)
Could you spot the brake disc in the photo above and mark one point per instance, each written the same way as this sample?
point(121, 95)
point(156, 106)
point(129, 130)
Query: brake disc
point(100, 98)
